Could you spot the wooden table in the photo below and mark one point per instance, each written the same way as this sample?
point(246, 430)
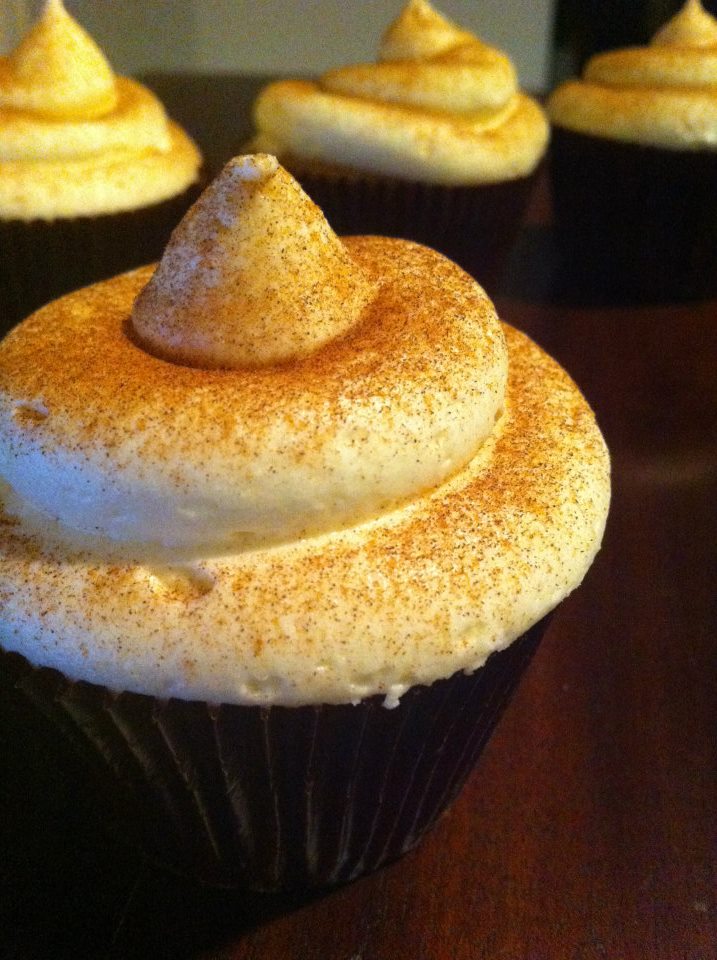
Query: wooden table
point(587, 830)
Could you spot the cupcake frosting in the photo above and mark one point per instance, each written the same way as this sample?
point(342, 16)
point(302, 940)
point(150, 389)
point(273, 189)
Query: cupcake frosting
point(385, 503)
point(439, 106)
point(74, 138)
point(663, 95)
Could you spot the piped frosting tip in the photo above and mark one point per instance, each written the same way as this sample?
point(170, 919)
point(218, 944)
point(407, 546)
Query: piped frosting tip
point(58, 70)
point(253, 275)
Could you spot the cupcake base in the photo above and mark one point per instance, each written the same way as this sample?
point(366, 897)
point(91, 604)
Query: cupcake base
point(41, 260)
point(476, 226)
point(279, 798)
point(634, 223)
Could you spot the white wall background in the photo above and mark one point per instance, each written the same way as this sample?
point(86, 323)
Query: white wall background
point(281, 36)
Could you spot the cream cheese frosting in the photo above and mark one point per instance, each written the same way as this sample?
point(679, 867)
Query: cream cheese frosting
point(439, 106)
point(662, 95)
point(75, 140)
point(182, 316)
point(383, 508)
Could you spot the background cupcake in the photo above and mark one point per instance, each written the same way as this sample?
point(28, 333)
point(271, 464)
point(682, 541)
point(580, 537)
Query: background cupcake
point(435, 142)
point(93, 175)
point(279, 563)
point(634, 166)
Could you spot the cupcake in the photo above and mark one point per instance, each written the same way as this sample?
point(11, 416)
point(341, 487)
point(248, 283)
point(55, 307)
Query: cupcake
point(93, 175)
point(634, 166)
point(279, 560)
point(434, 143)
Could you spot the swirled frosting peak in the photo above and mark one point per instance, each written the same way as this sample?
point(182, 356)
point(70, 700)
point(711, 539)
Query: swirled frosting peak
point(386, 510)
point(420, 32)
point(57, 70)
point(427, 62)
point(274, 284)
point(662, 95)
point(439, 106)
point(75, 139)
point(692, 26)
point(392, 375)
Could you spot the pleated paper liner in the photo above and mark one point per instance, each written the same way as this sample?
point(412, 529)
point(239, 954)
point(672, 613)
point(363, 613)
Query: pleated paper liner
point(41, 260)
point(278, 798)
point(476, 226)
point(634, 223)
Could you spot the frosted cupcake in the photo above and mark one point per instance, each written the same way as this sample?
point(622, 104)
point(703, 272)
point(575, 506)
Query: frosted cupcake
point(280, 559)
point(634, 165)
point(435, 142)
point(93, 175)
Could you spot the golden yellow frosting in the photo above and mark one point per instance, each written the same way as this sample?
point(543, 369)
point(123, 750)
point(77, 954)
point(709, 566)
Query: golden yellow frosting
point(439, 106)
point(385, 509)
point(76, 140)
point(662, 95)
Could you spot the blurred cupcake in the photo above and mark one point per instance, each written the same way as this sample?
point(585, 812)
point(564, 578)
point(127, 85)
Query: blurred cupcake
point(634, 166)
point(282, 559)
point(435, 142)
point(93, 175)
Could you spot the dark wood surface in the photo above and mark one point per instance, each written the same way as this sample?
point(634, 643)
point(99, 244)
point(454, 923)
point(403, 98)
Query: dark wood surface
point(588, 829)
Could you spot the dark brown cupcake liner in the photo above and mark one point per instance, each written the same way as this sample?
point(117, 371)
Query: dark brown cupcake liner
point(476, 225)
point(276, 798)
point(41, 260)
point(634, 223)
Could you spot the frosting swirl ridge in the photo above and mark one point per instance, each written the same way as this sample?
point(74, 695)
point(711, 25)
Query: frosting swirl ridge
point(439, 105)
point(375, 509)
point(664, 94)
point(278, 440)
point(74, 138)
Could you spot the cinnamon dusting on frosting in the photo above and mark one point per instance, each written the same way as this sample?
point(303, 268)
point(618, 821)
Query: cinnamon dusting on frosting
point(385, 510)
point(275, 284)
point(208, 460)
point(411, 596)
